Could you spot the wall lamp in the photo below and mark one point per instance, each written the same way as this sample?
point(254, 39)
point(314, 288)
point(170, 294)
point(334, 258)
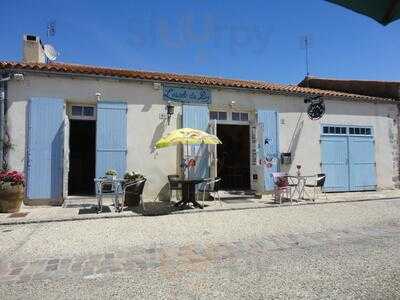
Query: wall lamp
point(170, 111)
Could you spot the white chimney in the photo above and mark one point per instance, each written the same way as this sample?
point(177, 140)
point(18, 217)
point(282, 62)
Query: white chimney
point(33, 49)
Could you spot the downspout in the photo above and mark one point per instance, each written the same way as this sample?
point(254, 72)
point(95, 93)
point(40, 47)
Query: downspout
point(3, 99)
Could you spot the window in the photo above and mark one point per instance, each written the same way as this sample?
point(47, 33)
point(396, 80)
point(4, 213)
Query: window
point(233, 116)
point(222, 115)
point(213, 115)
point(342, 130)
point(218, 115)
point(244, 117)
point(88, 111)
point(82, 112)
point(236, 116)
point(360, 130)
point(334, 130)
point(76, 110)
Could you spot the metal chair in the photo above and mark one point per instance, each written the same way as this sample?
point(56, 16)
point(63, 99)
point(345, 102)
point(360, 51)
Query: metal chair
point(318, 185)
point(174, 185)
point(212, 187)
point(113, 190)
point(281, 186)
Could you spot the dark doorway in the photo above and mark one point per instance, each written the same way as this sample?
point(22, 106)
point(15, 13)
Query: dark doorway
point(82, 161)
point(234, 157)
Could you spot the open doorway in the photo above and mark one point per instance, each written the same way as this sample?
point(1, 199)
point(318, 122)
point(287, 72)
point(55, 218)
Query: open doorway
point(82, 161)
point(234, 156)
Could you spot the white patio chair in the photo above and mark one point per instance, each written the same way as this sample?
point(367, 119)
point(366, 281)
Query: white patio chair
point(211, 186)
point(318, 185)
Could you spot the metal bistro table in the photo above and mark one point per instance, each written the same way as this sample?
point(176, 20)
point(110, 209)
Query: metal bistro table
point(299, 182)
point(189, 192)
point(116, 191)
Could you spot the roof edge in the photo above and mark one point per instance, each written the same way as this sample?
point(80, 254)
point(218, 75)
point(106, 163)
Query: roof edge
point(272, 88)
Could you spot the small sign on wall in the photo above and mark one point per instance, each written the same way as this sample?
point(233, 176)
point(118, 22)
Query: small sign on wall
point(186, 94)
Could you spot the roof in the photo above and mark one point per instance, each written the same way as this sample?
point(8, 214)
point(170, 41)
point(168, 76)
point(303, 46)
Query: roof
point(271, 88)
point(373, 88)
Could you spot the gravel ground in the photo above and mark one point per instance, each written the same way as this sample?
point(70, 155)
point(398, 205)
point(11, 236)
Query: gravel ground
point(367, 269)
point(366, 266)
point(93, 236)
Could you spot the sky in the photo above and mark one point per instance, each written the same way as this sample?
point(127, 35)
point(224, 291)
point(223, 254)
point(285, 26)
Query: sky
point(252, 40)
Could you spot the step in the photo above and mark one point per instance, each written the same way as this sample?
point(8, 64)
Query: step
point(236, 194)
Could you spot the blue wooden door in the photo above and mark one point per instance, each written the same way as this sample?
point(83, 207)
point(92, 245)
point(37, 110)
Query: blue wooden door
point(111, 137)
point(334, 161)
point(197, 117)
point(269, 143)
point(362, 163)
point(45, 148)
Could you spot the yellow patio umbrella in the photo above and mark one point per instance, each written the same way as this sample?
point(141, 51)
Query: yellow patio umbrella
point(187, 136)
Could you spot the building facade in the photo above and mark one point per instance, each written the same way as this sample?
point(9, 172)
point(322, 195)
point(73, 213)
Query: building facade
point(70, 123)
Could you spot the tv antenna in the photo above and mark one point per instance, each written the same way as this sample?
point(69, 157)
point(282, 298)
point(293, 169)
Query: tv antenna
point(51, 28)
point(306, 45)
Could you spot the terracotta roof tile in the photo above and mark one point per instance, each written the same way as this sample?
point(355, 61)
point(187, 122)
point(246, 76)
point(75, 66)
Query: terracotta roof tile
point(186, 79)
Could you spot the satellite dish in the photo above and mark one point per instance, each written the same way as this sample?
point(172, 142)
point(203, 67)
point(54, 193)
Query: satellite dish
point(50, 52)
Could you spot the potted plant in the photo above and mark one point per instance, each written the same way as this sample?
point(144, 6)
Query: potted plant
point(11, 191)
point(111, 174)
point(133, 191)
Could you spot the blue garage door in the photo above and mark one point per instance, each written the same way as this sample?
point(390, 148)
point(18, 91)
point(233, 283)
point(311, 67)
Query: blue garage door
point(362, 163)
point(45, 148)
point(348, 158)
point(334, 155)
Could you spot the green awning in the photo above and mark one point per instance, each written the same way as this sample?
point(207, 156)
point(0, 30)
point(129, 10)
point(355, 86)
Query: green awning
point(383, 11)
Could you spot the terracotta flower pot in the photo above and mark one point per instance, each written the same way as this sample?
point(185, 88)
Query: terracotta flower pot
point(11, 199)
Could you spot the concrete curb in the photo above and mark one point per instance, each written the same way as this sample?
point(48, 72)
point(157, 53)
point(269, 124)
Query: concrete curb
point(190, 211)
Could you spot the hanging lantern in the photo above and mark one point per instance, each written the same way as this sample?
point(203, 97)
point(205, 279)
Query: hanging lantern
point(170, 111)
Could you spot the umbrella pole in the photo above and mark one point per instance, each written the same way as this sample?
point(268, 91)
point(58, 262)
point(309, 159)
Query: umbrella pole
point(187, 153)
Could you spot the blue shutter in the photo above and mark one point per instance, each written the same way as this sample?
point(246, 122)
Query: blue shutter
point(197, 117)
point(268, 121)
point(334, 161)
point(45, 148)
point(362, 163)
point(111, 137)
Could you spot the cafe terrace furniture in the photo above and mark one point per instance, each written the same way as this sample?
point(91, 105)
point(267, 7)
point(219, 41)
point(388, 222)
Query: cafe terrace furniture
point(189, 193)
point(300, 182)
point(135, 189)
point(281, 187)
point(211, 186)
point(317, 185)
point(116, 191)
point(174, 185)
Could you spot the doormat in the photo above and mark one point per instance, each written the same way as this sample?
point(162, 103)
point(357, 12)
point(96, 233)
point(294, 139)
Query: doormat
point(236, 201)
point(18, 215)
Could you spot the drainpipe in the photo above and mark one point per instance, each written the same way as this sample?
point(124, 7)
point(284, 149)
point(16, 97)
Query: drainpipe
point(3, 89)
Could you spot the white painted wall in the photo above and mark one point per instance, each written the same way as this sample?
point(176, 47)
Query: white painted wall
point(145, 128)
point(306, 148)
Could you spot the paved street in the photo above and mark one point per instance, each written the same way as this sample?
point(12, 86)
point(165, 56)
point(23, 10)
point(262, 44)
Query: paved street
point(322, 251)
